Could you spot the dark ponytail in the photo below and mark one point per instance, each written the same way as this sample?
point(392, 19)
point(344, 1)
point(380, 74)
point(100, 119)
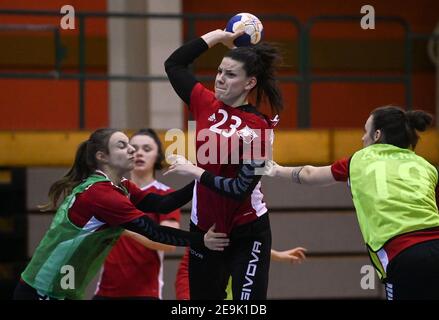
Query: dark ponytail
point(419, 119)
point(261, 61)
point(399, 127)
point(84, 165)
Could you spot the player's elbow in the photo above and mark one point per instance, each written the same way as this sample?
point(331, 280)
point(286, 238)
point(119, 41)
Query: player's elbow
point(306, 174)
point(316, 176)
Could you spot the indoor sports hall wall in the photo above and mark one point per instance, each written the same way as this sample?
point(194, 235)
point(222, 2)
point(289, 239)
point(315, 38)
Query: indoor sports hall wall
point(337, 48)
point(39, 120)
point(344, 49)
point(51, 104)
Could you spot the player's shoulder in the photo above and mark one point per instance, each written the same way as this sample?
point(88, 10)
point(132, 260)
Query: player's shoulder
point(203, 101)
point(101, 186)
point(129, 184)
point(253, 117)
point(202, 94)
point(99, 192)
point(157, 186)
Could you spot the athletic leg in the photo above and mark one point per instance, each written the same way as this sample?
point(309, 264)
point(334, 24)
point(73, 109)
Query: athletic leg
point(207, 273)
point(250, 260)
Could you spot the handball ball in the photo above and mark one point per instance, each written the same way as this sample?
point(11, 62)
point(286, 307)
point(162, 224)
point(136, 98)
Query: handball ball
point(250, 24)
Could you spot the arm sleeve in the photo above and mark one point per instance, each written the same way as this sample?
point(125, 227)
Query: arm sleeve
point(108, 205)
point(237, 188)
point(113, 207)
point(156, 203)
point(177, 67)
point(171, 236)
point(174, 215)
point(340, 169)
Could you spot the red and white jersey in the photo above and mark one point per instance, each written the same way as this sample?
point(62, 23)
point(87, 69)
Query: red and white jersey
point(181, 284)
point(105, 205)
point(235, 134)
point(131, 269)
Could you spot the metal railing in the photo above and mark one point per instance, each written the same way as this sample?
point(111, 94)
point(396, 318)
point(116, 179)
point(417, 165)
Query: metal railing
point(59, 50)
point(309, 78)
point(304, 78)
point(82, 75)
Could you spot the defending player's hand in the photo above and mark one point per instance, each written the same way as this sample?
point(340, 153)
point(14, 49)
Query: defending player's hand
point(295, 255)
point(182, 166)
point(215, 241)
point(270, 168)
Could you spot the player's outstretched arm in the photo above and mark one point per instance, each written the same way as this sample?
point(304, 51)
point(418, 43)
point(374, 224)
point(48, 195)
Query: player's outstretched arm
point(308, 175)
point(238, 188)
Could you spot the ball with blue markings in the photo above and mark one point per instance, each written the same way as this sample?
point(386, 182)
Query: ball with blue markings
point(252, 26)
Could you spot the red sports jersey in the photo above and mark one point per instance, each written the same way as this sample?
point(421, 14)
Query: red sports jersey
point(182, 278)
point(235, 135)
point(132, 270)
point(105, 204)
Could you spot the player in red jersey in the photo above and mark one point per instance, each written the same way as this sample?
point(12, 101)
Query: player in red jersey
point(134, 267)
point(232, 139)
point(97, 204)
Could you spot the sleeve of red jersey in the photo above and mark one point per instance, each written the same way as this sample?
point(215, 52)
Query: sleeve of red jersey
point(202, 101)
point(136, 194)
point(111, 206)
point(340, 169)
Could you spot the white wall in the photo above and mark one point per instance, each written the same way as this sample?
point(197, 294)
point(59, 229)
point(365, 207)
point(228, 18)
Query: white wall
point(139, 47)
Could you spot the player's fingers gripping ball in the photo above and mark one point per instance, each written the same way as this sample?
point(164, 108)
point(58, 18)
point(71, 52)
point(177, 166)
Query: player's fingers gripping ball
point(251, 25)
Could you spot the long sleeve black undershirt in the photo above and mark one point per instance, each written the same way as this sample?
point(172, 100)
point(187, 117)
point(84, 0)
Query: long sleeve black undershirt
point(156, 203)
point(237, 188)
point(163, 204)
point(167, 235)
point(177, 67)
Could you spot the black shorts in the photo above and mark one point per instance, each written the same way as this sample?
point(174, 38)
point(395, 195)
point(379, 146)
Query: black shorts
point(23, 291)
point(246, 260)
point(96, 297)
point(414, 273)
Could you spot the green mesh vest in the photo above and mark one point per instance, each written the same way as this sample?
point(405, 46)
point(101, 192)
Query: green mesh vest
point(69, 252)
point(393, 190)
